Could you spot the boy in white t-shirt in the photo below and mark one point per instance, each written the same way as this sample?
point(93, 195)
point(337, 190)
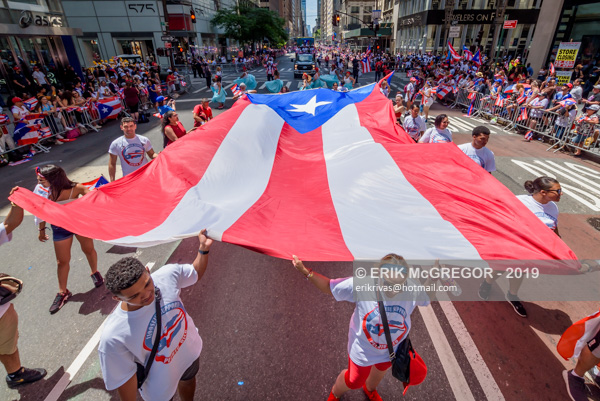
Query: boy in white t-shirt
point(130, 148)
point(477, 151)
point(130, 331)
point(368, 354)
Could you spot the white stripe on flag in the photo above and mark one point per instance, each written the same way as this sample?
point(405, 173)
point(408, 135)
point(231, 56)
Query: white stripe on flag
point(365, 177)
point(253, 148)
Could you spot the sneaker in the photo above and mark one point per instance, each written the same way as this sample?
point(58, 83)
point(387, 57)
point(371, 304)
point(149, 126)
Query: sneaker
point(60, 300)
point(97, 279)
point(516, 304)
point(484, 290)
point(575, 386)
point(24, 376)
point(372, 395)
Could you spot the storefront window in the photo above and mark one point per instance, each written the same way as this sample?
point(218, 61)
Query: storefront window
point(45, 52)
point(28, 50)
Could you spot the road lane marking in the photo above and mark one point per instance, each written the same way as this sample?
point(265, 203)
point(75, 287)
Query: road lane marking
point(452, 369)
point(483, 374)
point(288, 84)
point(263, 86)
point(541, 169)
point(70, 373)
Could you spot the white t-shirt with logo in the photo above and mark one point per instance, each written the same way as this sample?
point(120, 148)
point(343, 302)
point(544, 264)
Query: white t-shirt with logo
point(484, 157)
point(128, 338)
point(433, 135)
point(366, 338)
point(4, 237)
point(414, 126)
point(131, 152)
point(547, 213)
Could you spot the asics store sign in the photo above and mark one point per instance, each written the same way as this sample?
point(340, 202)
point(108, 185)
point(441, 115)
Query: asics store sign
point(30, 18)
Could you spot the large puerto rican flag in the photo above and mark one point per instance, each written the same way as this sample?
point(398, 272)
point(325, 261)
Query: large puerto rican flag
point(109, 107)
point(320, 174)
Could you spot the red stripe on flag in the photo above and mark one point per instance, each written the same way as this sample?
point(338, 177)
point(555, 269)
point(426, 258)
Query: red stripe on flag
point(492, 234)
point(141, 193)
point(285, 212)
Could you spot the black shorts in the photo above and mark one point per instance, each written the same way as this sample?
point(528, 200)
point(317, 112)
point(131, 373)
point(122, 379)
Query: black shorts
point(134, 108)
point(191, 372)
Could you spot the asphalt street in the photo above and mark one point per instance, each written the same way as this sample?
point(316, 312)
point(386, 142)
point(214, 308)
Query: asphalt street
point(268, 335)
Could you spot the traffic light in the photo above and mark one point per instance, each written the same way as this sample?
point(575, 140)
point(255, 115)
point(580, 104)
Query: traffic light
point(334, 20)
point(193, 15)
point(337, 20)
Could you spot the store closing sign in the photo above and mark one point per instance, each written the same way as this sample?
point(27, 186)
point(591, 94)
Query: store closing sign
point(567, 54)
point(563, 77)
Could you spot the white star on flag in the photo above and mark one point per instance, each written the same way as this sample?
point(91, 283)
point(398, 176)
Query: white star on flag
point(308, 107)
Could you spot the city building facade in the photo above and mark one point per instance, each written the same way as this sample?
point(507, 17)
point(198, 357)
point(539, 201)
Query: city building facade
point(115, 27)
point(34, 33)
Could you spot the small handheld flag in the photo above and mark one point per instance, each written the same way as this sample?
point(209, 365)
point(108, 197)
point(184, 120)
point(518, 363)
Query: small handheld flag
point(529, 136)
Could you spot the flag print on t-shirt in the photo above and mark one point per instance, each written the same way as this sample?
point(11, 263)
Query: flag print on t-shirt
point(133, 154)
point(174, 332)
point(372, 326)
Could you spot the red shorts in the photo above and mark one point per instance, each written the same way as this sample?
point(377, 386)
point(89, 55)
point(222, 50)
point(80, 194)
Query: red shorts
point(356, 375)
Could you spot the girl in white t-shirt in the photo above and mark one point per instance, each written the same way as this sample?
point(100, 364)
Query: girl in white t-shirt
point(544, 192)
point(368, 356)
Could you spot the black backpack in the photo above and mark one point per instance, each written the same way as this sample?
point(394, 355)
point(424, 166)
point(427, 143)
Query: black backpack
point(143, 118)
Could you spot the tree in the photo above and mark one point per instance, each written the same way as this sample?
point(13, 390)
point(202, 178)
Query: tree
point(250, 24)
point(317, 34)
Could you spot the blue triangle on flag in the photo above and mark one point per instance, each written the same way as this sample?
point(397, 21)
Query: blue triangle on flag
point(296, 108)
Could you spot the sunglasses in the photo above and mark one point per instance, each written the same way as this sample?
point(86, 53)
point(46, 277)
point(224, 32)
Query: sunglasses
point(558, 191)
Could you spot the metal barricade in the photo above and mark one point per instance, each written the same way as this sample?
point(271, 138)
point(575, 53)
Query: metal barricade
point(461, 99)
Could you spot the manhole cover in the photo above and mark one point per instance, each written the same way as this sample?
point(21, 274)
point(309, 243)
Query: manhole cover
point(594, 222)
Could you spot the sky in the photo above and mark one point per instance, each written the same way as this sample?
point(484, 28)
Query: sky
point(311, 12)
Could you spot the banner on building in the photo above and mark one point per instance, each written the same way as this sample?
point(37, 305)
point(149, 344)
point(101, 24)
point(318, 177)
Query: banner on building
point(567, 54)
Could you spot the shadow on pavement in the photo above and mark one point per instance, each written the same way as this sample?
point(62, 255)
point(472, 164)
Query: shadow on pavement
point(80, 388)
point(96, 299)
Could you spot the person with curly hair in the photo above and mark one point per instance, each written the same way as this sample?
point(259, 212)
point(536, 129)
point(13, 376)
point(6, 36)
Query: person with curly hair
point(129, 332)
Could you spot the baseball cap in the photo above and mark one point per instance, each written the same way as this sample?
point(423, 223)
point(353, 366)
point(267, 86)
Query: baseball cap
point(160, 99)
point(569, 85)
point(594, 107)
point(418, 370)
point(16, 99)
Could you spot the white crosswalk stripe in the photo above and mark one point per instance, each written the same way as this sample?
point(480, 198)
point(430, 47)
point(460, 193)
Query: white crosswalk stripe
point(263, 86)
point(288, 84)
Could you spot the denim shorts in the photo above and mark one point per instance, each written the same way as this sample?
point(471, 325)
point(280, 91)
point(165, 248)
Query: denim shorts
point(60, 234)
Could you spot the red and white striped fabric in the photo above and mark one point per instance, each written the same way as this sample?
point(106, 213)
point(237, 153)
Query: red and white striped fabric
point(443, 90)
point(366, 65)
point(577, 336)
point(324, 175)
point(30, 103)
point(114, 107)
point(499, 101)
point(4, 119)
